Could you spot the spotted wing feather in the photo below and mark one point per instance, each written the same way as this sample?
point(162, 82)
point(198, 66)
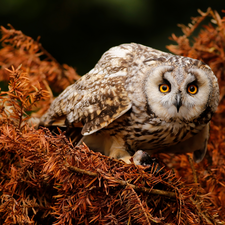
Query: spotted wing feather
point(96, 99)
point(95, 109)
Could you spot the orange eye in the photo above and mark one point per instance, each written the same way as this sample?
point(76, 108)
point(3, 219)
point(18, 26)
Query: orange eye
point(164, 88)
point(192, 89)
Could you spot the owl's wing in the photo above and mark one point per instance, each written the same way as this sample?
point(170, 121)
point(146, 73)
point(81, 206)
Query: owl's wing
point(94, 107)
point(98, 98)
point(105, 106)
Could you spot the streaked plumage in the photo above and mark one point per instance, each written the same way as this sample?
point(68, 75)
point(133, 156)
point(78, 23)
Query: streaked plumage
point(137, 97)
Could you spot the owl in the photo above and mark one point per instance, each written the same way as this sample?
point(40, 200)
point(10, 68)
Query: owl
point(138, 98)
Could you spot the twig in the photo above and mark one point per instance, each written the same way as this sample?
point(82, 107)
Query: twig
point(193, 169)
point(201, 214)
point(125, 183)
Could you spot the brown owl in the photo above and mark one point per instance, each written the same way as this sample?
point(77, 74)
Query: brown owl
point(136, 98)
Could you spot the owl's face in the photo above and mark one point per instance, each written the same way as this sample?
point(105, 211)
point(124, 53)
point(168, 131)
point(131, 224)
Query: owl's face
point(178, 92)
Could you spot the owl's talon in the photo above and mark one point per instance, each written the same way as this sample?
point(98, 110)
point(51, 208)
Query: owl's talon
point(144, 159)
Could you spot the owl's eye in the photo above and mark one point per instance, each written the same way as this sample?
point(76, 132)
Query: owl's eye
point(164, 88)
point(192, 89)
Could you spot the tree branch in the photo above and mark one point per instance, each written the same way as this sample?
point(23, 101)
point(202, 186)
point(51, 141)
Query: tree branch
point(125, 183)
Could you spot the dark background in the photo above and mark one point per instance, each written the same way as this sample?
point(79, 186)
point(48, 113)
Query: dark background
point(78, 32)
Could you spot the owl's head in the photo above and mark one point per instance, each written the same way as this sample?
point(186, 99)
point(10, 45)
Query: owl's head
point(181, 88)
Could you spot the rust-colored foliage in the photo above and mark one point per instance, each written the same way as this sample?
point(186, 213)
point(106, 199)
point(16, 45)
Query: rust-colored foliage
point(44, 179)
point(42, 69)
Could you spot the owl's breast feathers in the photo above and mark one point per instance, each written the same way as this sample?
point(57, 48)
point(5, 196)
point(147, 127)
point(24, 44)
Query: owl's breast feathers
point(148, 132)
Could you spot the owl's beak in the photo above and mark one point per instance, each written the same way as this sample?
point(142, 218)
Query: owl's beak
point(178, 102)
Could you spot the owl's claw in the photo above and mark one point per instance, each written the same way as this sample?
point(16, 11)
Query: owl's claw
point(143, 158)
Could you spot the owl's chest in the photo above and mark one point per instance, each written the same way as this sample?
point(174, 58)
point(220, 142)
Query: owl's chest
point(148, 133)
